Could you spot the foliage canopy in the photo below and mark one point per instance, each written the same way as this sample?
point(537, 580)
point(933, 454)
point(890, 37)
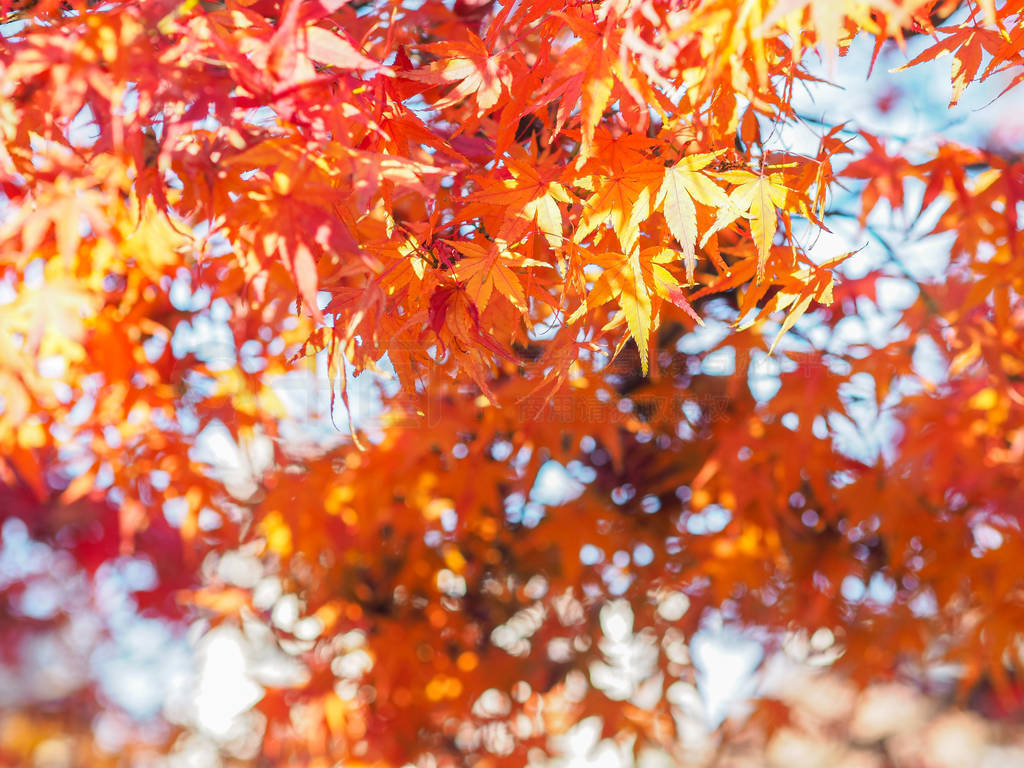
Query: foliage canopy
point(532, 229)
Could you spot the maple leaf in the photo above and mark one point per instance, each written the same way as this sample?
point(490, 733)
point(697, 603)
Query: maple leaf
point(306, 231)
point(756, 198)
point(635, 300)
point(624, 200)
point(967, 43)
point(682, 185)
point(455, 320)
point(472, 70)
point(531, 196)
point(637, 283)
point(807, 286)
point(484, 270)
point(884, 173)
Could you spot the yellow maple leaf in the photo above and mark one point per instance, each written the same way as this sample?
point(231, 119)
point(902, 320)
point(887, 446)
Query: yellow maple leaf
point(683, 184)
point(635, 300)
point(756, 198)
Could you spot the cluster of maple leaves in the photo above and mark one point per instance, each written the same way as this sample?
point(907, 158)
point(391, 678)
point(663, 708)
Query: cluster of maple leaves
point(521, 212)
